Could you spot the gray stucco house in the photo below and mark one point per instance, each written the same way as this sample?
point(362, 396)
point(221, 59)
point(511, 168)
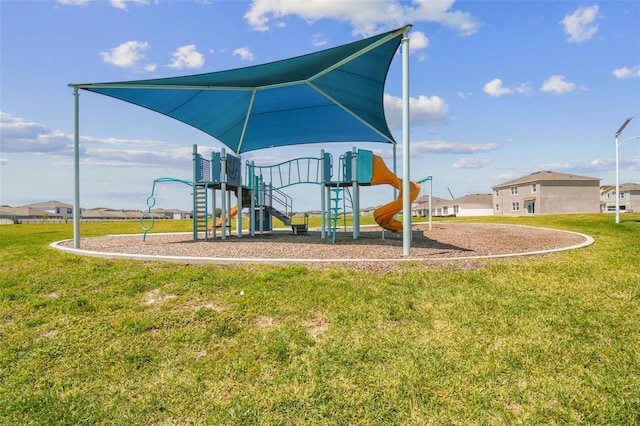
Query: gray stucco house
point(629, 198)
point(547, 192)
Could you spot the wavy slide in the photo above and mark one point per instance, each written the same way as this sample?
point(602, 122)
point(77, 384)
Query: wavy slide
point(384, 215)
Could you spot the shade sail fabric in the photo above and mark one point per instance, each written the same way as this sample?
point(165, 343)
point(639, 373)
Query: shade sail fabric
point(334, 95)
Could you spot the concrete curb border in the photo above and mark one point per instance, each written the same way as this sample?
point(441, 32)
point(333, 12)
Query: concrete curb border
point(280, 261)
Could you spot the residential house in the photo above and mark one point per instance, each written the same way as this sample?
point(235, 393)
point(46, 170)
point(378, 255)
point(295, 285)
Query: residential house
point(24, 214)
point(547, 192)
point(108, 214)
point(54, 208)
point(473, 205)
point(171, 214)
point(629, 200)
point(439, 206)
point(468, 205)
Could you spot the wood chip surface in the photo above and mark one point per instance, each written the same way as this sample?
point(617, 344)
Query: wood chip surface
point(460, 242)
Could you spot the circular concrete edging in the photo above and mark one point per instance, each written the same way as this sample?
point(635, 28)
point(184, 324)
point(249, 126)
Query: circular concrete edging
point(59, 245)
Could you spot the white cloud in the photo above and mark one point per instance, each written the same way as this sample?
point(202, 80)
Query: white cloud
point(580, 25)
point(187, 57)
point(74, 2)
point(418, 41)
point(423, 110)
point(558, 85)
point(376, 16)
point(471, 163)
point(122, 4)
point(626, 72)
point(443, 147)
point(319, 40)
point(126, 55)
point(593, 166)
point(118, 4)
point(496, 89)
point(244, 53)
point(19, 135)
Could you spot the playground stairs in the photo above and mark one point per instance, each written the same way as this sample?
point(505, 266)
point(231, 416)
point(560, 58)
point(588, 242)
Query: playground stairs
point(280, 215)
point(335, 209)
point(200, 208)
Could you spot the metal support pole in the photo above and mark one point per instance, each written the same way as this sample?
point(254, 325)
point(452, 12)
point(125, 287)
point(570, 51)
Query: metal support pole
point(252, 215)
point(356, 193)
point(322, 198)
point(620, 130)
point(617, 181)
point(239, 211)
point(76, 170)
point(406, 183)
point(223, 195)
point(194, 176)
point(430, 195)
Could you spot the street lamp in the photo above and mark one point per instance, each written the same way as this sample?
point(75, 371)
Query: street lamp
point(420, 182)
point(620, 130)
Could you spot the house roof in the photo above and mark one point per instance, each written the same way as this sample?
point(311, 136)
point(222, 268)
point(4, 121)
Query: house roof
point(26, 211)
point(435, 201)
point(543, 176)
point(475, 200)
point(334, 95)
point(49, 204)
point(630, 187)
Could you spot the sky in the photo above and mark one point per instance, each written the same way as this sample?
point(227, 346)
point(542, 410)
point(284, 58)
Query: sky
point(499, 90)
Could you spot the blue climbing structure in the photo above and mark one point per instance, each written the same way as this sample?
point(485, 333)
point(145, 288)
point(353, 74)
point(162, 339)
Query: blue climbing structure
point(259, 190)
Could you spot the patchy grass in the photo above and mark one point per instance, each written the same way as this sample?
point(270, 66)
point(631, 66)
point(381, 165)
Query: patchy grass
point(550, 339)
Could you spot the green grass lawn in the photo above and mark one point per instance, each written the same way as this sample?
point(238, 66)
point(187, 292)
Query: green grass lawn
point(541, 340)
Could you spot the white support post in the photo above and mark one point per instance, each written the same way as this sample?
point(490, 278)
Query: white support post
point(194, 175)
point(214, 228)
point(322, 195)
point(261, 205)
point(239, 211)
point(223, 195)
point(406, 183)
point(214, 231)
point(228, 217)
point(430, 196)
point(356, 193)
point(76, 170)
point(252, 191)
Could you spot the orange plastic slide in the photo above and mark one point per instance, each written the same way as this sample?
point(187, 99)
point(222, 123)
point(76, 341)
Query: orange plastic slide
point(384, 215)
point(234, 213)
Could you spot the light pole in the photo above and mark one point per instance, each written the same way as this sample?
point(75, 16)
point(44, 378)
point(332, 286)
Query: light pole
point(420, 182)
point(620, 130)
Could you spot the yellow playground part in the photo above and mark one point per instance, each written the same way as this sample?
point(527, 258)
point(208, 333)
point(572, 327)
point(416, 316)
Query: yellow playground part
point(233, 213)
point(384, 215)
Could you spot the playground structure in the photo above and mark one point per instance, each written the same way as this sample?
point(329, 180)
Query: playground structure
point(260, 190)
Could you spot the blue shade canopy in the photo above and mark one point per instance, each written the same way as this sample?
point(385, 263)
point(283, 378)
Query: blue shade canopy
point(334, 95)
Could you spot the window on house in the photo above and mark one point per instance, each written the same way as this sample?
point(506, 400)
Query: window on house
point(456, 209)
point(497, 207)
point(497, 192)
point(515, 206)
point(622, 195)
point(445, 210)
point(514, 190)
point(534, 187)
